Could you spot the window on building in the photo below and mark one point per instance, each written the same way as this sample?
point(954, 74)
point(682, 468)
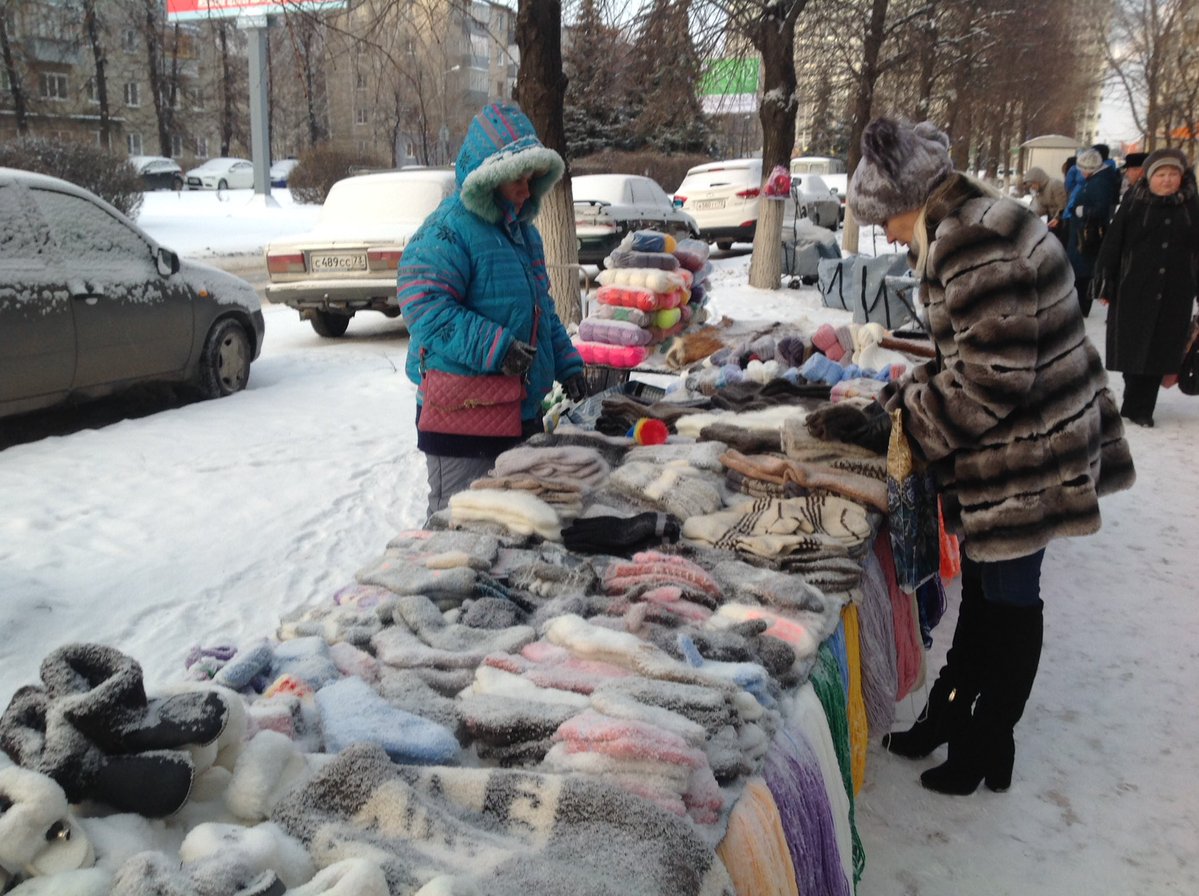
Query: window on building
point(410, 150)
point(360, 116)
point(89, 91)
point(176, 145)
point(202, 147)
point(135, 144)
point(359, 81)
point(54, 86)
point(129, 40)
point(132, 94)
point(195, 97)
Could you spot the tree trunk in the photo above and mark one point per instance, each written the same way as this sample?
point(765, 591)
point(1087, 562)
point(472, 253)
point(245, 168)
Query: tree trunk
point(774, 39)
point(541, 90)
point(226, 90)
point(872, 46)
point(93, 35)
point(20, 112)
point(153, 39)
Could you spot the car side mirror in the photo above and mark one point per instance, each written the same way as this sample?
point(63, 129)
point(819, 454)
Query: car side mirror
point(677, 202)
point(168, 262)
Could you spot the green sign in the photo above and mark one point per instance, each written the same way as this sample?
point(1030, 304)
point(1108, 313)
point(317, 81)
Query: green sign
point(724, 77)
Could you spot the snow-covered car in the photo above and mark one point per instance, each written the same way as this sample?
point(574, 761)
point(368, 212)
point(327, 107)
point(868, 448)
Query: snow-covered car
point(607, 206)
point(158, 172)
point(839, 184)
point(347, 263)
point(816, 200)
point(725, 199)
point(281, 171)
point(89, 304)
point(222, 174)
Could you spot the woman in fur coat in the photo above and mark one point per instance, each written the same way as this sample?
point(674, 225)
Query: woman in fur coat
point(1013, 416)
point(1149, 265)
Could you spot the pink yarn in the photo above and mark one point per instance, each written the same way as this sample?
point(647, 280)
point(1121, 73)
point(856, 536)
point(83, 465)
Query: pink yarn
point(908, 649)
point(825, 339)
point(604, 355)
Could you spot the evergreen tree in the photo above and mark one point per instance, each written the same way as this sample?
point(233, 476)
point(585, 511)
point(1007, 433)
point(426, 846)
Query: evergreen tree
point(666, 69)
point(596, 90)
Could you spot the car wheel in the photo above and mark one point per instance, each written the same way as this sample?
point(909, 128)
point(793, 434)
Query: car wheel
point(225, 360)
point(177, 183)
point(330, 325)
point(222, 184)
point(724, 245)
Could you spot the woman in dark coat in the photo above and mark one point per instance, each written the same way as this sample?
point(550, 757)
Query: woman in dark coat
point(1091, 210)
point(1150, 269)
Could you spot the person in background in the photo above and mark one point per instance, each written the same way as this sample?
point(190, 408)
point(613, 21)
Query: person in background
point(1013, 416)
point(1048, 194)
point(469, 283)
point(1134, 168)
point(1091, 207)
point(1148, 269)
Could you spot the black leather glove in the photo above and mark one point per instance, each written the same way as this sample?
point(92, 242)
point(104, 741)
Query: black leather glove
point(575, 387)
point(518, 359)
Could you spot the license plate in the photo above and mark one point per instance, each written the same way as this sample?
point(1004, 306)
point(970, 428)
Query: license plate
point(703, 204)
point(339, 261)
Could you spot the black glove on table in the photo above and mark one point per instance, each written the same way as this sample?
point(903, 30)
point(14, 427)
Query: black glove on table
point(518, 359)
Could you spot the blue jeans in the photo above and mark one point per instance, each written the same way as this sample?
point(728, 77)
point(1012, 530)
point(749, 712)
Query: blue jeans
point(1013, 583)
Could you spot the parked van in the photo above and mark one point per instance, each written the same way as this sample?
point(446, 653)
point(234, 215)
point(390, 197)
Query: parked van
point(817, 165)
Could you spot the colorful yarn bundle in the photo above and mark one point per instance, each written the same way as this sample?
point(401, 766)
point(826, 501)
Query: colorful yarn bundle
point(879, 675)
point(755, 848)
point(830, 689)
point(794, 776)
point(859, 728)
point(909, 649)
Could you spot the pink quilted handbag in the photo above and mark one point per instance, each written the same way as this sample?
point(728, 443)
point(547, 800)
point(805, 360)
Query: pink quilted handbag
point(471, 405)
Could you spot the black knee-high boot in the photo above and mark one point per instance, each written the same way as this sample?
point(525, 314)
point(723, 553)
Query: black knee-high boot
point(952, 695)
point(985, 749)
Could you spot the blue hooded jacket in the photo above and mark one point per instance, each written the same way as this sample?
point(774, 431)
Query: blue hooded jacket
point(472, 274)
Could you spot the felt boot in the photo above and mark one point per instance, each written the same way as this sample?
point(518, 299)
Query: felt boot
point(36, 736)
point(154, 783)
point(101, 693)
point(986, 749)
point(952, 695)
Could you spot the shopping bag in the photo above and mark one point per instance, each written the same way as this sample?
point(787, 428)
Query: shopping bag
point(912, 510)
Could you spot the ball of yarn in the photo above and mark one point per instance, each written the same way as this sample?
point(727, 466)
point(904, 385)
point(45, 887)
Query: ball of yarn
point(649, 431)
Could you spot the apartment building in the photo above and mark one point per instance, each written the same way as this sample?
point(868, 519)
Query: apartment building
point(396, 82)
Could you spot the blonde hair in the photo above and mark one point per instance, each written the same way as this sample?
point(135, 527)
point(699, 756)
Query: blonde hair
point(946, 197)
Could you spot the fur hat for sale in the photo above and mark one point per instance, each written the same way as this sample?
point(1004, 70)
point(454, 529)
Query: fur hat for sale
point(901, 165)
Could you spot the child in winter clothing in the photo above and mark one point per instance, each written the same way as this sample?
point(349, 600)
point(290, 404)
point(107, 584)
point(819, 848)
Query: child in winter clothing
point(469, 283)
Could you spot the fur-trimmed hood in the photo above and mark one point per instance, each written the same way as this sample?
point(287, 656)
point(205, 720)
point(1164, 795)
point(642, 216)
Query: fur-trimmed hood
point(502, 145)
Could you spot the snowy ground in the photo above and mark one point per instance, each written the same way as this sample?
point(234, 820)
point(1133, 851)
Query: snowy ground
point(205, 522)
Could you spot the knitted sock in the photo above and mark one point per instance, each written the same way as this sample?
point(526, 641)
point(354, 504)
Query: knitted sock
point(424, 620)
point(351, 711)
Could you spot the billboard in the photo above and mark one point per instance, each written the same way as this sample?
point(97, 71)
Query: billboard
point(186, 10)
point(729, 86)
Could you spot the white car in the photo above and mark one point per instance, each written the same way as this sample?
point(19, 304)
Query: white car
point(281, 170)
point(608, 206)
point(222, 174)
point(818, 202)
point(348, 262)
point(725, 198)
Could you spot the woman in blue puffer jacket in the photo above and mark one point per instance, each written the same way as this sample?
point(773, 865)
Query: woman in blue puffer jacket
point(468, 284)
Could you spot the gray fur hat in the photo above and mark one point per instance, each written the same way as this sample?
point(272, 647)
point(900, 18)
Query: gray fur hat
point(901, 164)
point(1089, 161)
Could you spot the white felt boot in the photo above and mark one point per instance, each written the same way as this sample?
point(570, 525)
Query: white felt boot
point(37, 835)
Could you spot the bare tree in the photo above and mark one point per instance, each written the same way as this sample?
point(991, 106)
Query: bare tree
point(541, 92)
point(1142, 53)
point(16, 87)
point(94, 30)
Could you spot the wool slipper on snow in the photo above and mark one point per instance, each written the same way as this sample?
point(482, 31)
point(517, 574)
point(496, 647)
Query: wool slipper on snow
point(102, 694)
point(37, 835)
point(263, 847)
point(270, 767)
point(349, 877)
point(156, 874)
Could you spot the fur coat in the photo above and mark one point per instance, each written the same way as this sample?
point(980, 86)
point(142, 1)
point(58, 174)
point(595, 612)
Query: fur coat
point(1014, 414)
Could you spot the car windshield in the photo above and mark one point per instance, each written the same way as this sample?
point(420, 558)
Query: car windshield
point(720, 177)
point(382, 202)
